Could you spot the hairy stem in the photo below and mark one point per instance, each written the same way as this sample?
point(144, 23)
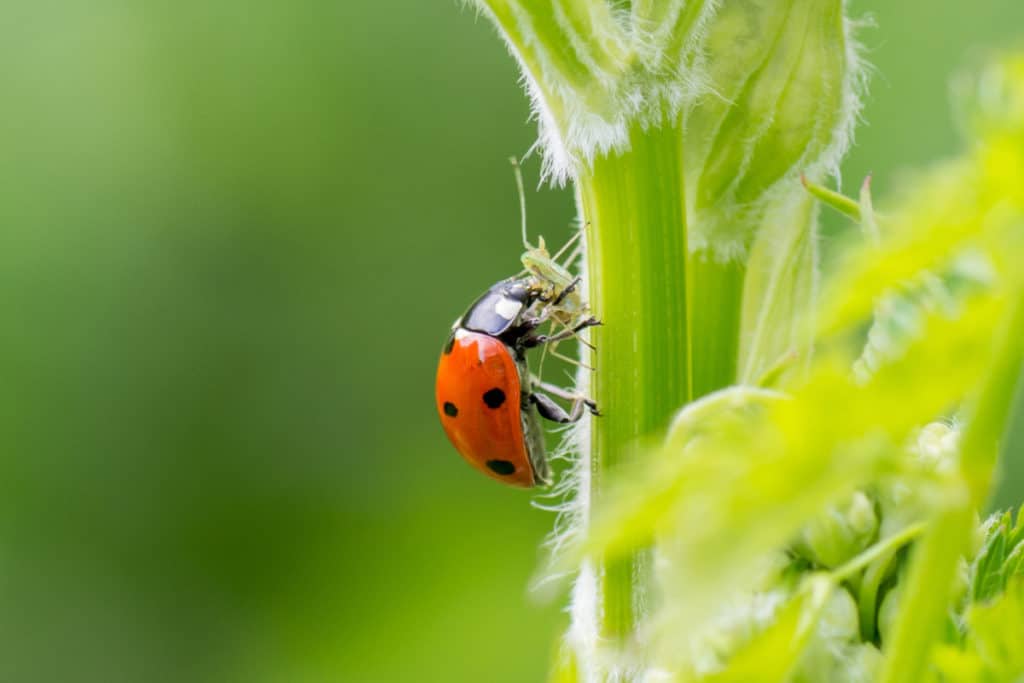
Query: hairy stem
point(637, 259)
point(671, 335)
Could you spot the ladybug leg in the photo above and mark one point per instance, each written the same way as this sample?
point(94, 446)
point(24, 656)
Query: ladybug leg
point(550, 410)
point(579, 402)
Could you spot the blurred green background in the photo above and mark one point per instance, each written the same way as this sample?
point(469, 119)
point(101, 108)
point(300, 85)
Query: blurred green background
point(232, 238)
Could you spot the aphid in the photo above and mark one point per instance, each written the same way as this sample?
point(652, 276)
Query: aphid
point(557, 288)
point(551, 278)
point(487, 400)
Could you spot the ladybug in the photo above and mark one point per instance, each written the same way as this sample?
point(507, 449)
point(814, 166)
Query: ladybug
point(487, 400)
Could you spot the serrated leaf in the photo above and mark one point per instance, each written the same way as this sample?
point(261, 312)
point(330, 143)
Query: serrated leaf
point(1000, 559)
point(900, 313)
point(992, 650)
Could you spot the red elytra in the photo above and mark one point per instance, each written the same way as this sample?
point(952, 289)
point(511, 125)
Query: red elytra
point(479, 400)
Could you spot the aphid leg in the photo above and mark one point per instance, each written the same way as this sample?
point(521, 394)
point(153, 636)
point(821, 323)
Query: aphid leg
point(539, 339)
point(573, 255)
point(550, 410)
point(552, 348)
point(568, 359)
point(565, 246)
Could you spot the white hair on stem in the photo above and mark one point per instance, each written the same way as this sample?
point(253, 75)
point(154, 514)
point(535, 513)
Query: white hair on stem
point(628, 78)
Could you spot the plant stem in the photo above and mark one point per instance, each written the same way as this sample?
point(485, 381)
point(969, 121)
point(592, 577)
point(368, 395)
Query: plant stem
point(637, 259)
point(672, 327)
point(715, 301)
point(923, 605)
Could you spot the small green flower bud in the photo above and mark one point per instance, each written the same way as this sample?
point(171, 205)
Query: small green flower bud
point(838, 622)
point(836, 631)
point(938, 446)
point(857, 663)
point(840, 533)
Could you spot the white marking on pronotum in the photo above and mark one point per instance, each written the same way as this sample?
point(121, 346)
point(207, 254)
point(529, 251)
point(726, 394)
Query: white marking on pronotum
point(507, 308)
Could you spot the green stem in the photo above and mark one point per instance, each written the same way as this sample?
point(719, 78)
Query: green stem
point(637, 256)
point(715, 301)
point(671, 334)
point(886, 546)
point(925, 599)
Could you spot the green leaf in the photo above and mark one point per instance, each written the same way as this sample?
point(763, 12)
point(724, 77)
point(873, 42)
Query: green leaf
point(783, 102)
point(778, 293)
point(838, 201)
point(992, 650)
point(1000, 559)
point(774, 653)
point(901, 312)
point(997, 631)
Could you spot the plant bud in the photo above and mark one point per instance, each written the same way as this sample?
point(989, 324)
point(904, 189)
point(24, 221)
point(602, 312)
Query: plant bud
point(836, 631)
point(840, 533)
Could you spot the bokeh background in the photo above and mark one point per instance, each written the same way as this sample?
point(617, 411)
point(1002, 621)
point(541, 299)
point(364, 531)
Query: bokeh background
point(232, 238)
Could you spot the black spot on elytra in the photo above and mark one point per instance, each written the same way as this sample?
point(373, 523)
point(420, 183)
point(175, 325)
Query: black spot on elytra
point(449, 345)
point(450, 410)
point(494, 398)
point(502, 467)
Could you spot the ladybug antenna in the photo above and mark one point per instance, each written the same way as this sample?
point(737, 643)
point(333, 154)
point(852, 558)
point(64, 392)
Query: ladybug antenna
point(522, 199)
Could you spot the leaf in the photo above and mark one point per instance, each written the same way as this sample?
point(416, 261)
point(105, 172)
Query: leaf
point(778, 293)
point(1000, 559)
point(997, 631)
point(783, 82)
point(948, 211)
point(992, 649)
point(775, 652)
point(901, 312)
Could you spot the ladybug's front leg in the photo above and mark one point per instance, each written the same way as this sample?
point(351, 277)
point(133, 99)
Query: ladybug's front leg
point(550, 410)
